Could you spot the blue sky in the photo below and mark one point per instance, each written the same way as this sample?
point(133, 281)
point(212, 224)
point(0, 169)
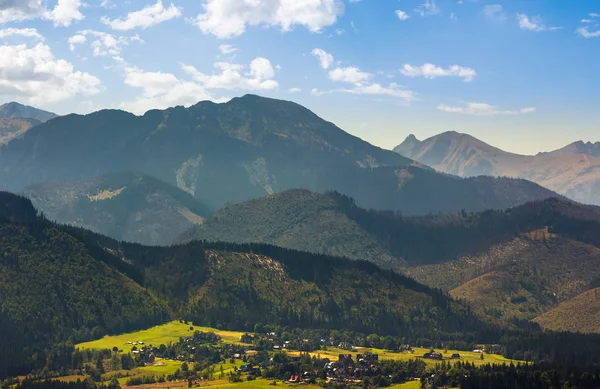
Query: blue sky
point(520, 74)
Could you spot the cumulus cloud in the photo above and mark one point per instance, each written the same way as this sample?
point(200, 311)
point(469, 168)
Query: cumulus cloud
point(146, 17)
point(325, 58)
point(102, 43)
point(428, 8)
point(35, 75)
point(259, 76)
point(65, 12)
point(494, 12)
point(483, 109)
point(402, 15)
point(161, 90)
point(230, 18)
point(76, 40)
point(15, 11)
point(533, 24)
point(349, 74)
point(431, 71)
point(24, 32)
point(294, 90)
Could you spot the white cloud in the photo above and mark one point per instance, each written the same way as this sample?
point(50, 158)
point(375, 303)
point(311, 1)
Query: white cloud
point(325, 58)
point(402, 15)
point(231, 77)
point(15, 11)
point(586, 21)
point(65, 12)
point(453, 16)
point(76, 40)
point(349, 74)
point(229, 18)
point(146, 17)
point(34, 74)
point(392, 90)
point(261, 68)
point(586, 33)
point(294, 90)
point(494, 12)
point(431, 71)
point(533, 24)
point(102, 43)
point(428, 8)
point(227, 49)
point(594, 14)
point(25, 32)
point(483, 109)
point(161, 90)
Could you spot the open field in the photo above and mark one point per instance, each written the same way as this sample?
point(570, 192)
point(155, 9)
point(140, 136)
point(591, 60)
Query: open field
point(407, 385)
point(163, 334)
point(332, 353)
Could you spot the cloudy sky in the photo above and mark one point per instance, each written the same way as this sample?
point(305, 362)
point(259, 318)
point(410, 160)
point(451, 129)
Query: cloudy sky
point(520, 74)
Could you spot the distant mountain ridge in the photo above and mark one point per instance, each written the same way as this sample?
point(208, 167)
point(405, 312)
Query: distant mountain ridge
point(16, 110)
point(129, 207)
point(579, 147)
point(573, 171)
point(246, 148)
point(512, 264)
point(11, 128)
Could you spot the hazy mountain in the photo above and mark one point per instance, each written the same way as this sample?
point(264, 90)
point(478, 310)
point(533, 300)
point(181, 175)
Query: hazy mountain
point(62, 283)
point(573, 171)
point(126, 206)
point(243, 149)
point(517, 263)
point(16, 110)
point(580, 314)
point(580, 147)
point(295, 219)
point(11, 128)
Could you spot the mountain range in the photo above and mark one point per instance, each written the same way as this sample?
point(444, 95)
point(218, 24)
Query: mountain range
point(62, 284)
point(509, 265)
point(16, 110)
point(16, 119)
point(243, 149)
point(129, 207)
point(573, 171)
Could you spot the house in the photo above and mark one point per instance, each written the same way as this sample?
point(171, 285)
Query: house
point(433, 355)
point(294, 379)
point(455, 356)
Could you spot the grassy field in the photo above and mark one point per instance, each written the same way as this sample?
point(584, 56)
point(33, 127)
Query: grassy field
point(163, 334)
point(332, 353)
point(173, 331)
point(407, 385)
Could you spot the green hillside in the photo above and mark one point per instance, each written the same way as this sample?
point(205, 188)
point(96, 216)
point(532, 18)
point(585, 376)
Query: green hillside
point(52, 289)
point(125, 206)
point(295, 219)
point(580, 314)
point(61, 283)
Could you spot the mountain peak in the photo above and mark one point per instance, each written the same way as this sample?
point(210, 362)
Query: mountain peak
point(18, 110)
